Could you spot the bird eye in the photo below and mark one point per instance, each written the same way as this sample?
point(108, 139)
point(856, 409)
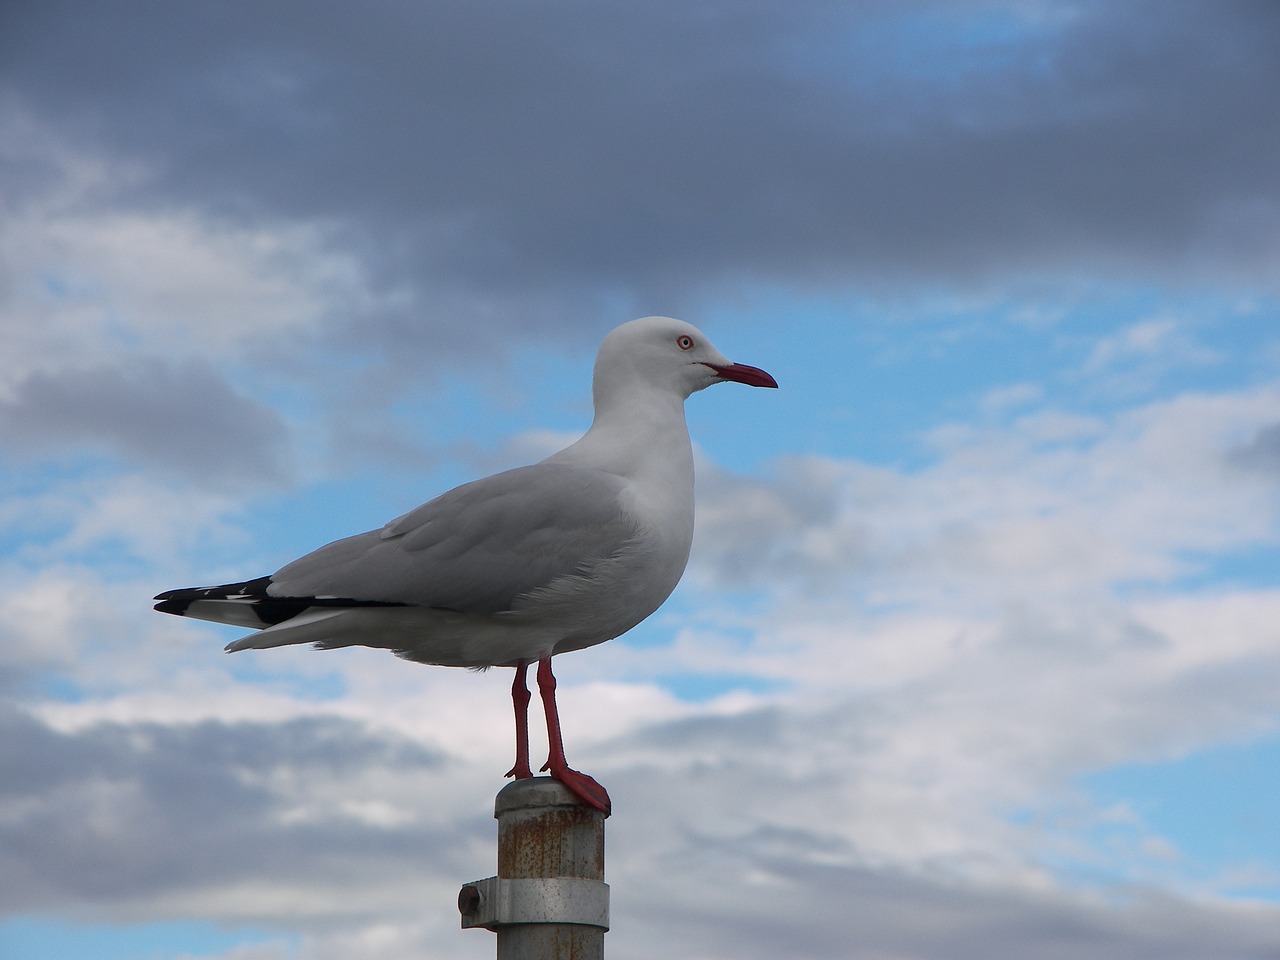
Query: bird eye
point(684, 342)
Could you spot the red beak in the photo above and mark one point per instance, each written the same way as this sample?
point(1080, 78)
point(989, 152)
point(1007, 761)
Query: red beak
point(741, 373)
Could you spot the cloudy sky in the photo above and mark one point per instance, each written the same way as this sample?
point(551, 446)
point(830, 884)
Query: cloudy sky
point(978, 654)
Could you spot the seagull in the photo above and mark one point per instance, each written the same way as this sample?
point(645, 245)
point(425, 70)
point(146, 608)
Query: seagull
point(514, 568)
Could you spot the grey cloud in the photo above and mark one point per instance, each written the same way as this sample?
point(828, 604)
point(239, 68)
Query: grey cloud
point(183, 418)
point(813, 911)
point(749, 887)
point(751, 532)
point(134, 816)
point(118, 813)
point(1262, 453)
point(495, 157)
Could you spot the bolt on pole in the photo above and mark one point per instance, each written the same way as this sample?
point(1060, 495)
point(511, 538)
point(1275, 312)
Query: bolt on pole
point(549, 900)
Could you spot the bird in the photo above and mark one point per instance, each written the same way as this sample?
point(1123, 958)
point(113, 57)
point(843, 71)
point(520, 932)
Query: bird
point(526, 564)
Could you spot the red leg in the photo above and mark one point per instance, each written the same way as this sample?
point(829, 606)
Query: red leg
point(585, 788)
point(520, 698)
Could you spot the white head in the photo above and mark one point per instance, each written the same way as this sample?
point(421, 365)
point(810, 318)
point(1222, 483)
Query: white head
point(668, 355)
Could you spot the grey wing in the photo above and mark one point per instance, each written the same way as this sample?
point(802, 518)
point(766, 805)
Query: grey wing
point(476, 548)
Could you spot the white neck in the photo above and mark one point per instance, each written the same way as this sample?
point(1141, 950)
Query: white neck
point(639, 434)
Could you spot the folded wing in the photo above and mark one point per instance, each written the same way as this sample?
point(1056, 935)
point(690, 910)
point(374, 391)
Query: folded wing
point(473, 550)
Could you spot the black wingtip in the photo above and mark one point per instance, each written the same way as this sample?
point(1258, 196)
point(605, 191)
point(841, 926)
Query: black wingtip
point(179, 601)
point(268, 609)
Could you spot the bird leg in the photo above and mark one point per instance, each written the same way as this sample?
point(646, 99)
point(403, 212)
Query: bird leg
point(520, 698)
point(581, 785)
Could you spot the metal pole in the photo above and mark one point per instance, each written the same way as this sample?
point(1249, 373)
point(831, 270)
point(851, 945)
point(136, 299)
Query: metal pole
point(549, 900)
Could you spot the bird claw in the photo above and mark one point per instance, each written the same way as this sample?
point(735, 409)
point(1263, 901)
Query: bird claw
point(519, 772)
point(582, 786)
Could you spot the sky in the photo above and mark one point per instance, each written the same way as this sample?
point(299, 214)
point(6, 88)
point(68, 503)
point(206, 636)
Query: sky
point(977, 652)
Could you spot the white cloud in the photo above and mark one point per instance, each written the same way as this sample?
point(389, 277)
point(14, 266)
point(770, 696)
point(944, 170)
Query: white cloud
point(961, 641)
point(92, 277)
point(1142, 340)
point(1011, 397)
point(96, 284)
point(1049, 504)
point(1130, 361)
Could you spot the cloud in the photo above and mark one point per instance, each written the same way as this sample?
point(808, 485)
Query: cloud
point(961, 640)
point(90, 271)
point(183, 419)
point(528, 171)
point(1142, 341)
point(1262, 453)
point(326, 828)
point(115, 814)
point(1046, 500)
point(834, 911)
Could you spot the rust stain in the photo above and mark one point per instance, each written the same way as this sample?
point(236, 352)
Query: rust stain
point(552, 842)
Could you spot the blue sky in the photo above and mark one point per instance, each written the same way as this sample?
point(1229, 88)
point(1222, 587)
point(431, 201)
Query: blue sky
point(981, 618)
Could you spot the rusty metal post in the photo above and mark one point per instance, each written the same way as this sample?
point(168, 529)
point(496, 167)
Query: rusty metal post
point(549, 900)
